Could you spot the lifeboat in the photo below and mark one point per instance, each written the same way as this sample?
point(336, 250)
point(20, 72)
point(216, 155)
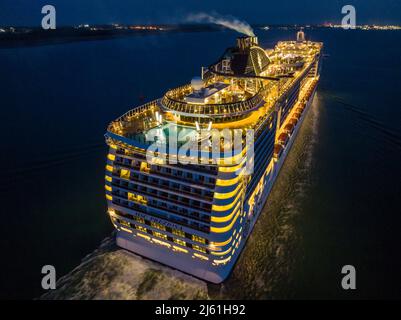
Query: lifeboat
point(293, 121)
point(297, 115)
point(289, 128)
point(283, 138)
point(278, 150)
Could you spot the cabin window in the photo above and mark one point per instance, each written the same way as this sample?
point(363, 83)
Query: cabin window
point(125, 174)
point(179, 233)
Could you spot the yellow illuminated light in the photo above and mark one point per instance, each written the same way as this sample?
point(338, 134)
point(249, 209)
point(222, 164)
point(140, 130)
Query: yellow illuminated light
point(260, 184)
point(227, 228)
point(111, 157)
point(157, 161)
point(160, 235)
point(180, 249)
point(200, 256)
point(227, 206)
point(226, 218)
point(108, 178)
point(227, 195)
point(161, 242)
point(124, 223)
point(232, 169)
point(109, 168)
point(108, 188)
point(227, 183)
point(222, 261)
point(196, 247)
point(158, 226)
point(198, 239)
point(232, 160)
point(139, 219)
point(125, 174)
point(180, 242)
point(145, 167)
point(221, 253)
point(137, 198)
point(179, 233)
point(109, 197)
point(126, 230)
point(143, 229)
point(143, 236)
point(221, 244)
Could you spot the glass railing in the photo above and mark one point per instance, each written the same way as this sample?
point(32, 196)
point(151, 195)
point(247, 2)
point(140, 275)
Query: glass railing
point(169, 101)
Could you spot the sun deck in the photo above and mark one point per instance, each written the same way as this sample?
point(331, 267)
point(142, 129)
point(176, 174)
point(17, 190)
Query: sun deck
point(219, 102)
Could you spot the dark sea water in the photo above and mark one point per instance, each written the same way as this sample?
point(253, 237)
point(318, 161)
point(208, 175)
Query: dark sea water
point(336, 201)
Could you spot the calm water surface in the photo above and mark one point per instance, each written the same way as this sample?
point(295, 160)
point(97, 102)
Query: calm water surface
point(336, 201)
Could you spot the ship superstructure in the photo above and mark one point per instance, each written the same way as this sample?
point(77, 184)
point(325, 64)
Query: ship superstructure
point(194, 211)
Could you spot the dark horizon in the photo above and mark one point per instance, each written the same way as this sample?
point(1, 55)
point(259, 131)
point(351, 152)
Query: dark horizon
point(198, 25)
point(75, 12)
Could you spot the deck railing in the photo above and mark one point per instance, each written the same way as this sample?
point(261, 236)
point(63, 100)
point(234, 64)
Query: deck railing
point(206, 110)
point(131, 113)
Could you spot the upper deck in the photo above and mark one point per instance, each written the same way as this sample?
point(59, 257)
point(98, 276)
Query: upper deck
point(240, 91)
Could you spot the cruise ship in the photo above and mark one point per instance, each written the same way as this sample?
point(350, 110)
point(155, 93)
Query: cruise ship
point(178, 197)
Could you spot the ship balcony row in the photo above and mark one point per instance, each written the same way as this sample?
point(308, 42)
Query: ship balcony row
point(197, 186)
point(162, 211)
point(180, 171)
point(169, 173)
point(173, 191)
point(169, 196)
point(219, 254)
point(145, 223)
point(156, 226)
point(176, 235)
point(177, 188)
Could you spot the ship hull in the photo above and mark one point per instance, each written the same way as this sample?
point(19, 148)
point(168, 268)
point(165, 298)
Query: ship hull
point(202, 269)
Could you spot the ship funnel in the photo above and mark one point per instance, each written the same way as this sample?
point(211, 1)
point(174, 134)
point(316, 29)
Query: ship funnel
point(245, 43)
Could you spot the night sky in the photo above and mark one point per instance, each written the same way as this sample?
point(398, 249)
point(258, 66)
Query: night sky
point(73, 12)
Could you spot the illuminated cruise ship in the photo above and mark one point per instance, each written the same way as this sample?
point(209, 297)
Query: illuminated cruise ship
point(176, 196)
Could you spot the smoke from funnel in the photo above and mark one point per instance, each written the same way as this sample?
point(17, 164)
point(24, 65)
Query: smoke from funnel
point(226, 21)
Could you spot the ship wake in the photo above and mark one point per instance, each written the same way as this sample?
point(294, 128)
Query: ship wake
point(114, 274)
